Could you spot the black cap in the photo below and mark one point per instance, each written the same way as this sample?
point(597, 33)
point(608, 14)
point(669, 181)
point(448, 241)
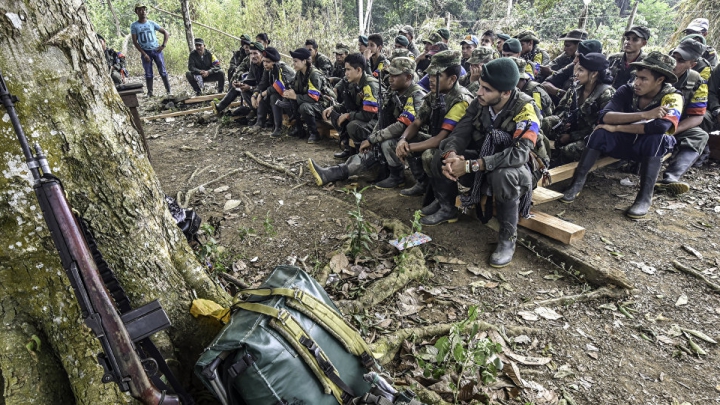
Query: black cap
point(590, 46)
point(272, 54)
point(642, 32)
point(594, 62)
point(690, 49)
point(363, 40)
point(199, 41)
point(301, 53)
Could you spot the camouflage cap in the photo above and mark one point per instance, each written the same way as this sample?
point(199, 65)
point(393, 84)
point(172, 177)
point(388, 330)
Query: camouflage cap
point(139, 5)
point(521, 64)
point(407, 29)
point(481, 54)
point(400, 53)
point(341, 48)
point(528, 35)
point(401, 65)
point(443, 60)
point(433, 38)
point(661, 63)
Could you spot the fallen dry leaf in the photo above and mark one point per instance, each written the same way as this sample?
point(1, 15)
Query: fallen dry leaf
point(682, 300)
point(547, 313)
point(338, 263)
point(528, 316)
point(448, 260)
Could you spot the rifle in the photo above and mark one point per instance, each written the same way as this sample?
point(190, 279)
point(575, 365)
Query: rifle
point(123, 332)
point(571, 116)
point(437, 116)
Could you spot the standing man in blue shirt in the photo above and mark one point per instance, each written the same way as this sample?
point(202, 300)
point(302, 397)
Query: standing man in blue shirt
point(144, 39)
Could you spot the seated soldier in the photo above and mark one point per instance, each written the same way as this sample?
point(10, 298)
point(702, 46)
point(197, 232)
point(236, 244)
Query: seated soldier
point(480, 56)
point(488, 39)
point(425, 81)
point(204, 67)
point(238, 56)
point(533, 89)
point(560, 81)
point(621, 64)
point(399, 53)
point(441, 110)
point(362, 44)
point(691, 139)
point(275, 80)
point(702, 66)
point(401, 43)
point(489, 151)
point(244, 85)
point(512, 49)
point(637, 124)
point(409, 32)
point(578, 110)
point(338, 71)
point(700, 26)
point(531, 52)
point(115, 62)
point(377, 59)
point(320, 61)
point(570, 47)
point(306, 95)
point(468, 45)
point(399, 109)
point(423, 60)
point(356, 115)
point(501, 38)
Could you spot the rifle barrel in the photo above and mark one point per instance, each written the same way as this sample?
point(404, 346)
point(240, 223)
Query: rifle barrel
point(9, 102)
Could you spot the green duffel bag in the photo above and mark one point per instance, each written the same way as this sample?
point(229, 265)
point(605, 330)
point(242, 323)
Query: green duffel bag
point(287, 344)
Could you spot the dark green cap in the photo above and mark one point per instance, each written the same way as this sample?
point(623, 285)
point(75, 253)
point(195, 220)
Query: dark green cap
point(689, 49)
point(695, 37)
point(502, 74)
point(445, 33)
point(512, 45)
point(661, 63)
point(590, 46)
point(257, 45)
point(402, 40)
point(443, 60)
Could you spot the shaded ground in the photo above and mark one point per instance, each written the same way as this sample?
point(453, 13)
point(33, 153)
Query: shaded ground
point(599, 355)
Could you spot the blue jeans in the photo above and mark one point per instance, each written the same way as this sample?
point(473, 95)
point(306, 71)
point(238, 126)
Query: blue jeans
point(156, 56)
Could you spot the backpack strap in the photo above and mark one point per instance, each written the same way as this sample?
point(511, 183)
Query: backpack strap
point(325, 316)
point(284, 323)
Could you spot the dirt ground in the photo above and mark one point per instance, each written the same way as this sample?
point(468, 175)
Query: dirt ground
point(603, 351)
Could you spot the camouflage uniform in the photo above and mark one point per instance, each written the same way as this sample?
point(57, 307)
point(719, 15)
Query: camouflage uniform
point(713, 107)
point(323, 64)
point(540, 96)
point(360, 101)
point(711, 56)
point(695, 96)
point(338, 70)
point(479, 55)
point(621, 69)
point(537, 56)
point(586, 117)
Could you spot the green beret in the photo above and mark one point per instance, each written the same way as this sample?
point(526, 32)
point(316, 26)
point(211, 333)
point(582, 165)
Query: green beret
point(444, 32)
point(512, 45)
point(502, 74)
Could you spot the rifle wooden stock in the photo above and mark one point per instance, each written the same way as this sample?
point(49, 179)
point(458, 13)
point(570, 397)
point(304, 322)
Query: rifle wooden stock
point(130, 366)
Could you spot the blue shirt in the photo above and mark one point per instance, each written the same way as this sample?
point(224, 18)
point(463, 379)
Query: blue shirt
point(145, 33)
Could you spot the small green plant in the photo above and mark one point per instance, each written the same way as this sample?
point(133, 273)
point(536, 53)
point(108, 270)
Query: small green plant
point(268, 225)
point(359, 230)
point(416, 227)
point(460, 353)
point(245, 232)
point(210, 252)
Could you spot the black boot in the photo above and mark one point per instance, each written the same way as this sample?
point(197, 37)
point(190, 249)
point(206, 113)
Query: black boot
point(421, 179)
point(395, 179)
point(445, 192)
point(430, 209)
point(277, 121)
point(312, 128)
point(166, 82)
point(587, 160)
point(346, 153)
point(649, 170)
point(149, 85)
point(298, 131)
point(328, 175)
point(679, 165)
point(507, 215)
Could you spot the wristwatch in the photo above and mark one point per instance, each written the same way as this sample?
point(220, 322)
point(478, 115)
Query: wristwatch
point(475, 166)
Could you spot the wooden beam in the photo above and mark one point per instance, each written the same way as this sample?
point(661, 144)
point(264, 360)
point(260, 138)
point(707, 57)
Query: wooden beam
point(186, 112)
point(326, 130)
point(200, 99)
point(553, 227)
point(542, 195)
point(565, 172)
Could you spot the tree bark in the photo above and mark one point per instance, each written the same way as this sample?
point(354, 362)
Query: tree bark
point(69, 105)
point(189, 36)
point(118, 32)
point(361, 21)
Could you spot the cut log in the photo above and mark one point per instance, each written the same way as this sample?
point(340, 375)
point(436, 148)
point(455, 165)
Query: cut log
point(553, 227)
point(542, 195)
point(326, 130)
point(200, 99)
point(186, 112)
point(565, 172)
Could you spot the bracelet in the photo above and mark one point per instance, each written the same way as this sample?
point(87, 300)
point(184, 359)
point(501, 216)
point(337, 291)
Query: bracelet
point(467, 166)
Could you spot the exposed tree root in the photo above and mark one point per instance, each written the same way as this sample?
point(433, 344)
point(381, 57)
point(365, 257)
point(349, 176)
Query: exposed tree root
point(189, 195)
point(696, 274)
point(273, 166)
point(603, 292)
point(424, 395)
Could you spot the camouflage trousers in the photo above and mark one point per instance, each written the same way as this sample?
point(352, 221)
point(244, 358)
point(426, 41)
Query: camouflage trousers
point(390, 146)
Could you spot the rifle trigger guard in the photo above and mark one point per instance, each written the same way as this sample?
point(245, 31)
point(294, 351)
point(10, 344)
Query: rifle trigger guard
point(150, 366)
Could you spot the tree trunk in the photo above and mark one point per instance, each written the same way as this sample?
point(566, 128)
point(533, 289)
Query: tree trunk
point(69, 105)
point(118, 32)
point(361, 21)
point(509, 8)
point(189, 36)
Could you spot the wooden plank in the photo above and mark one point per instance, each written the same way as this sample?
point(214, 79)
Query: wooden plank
point(186, 112)
point(200, 99)
point(542, 195)
point(553, 227)
point(565, 172)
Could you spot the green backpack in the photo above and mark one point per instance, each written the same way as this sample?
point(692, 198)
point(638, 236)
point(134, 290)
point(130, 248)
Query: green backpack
point(287, 344)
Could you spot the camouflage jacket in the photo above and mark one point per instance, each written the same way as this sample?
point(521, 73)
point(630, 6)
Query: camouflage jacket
point(456, 102)
point(560, 62)
point(338, 70)
point(711, 56)
point(620, 68)
point(360, 100)
point(540, 96)
point(399, 111)
point(704, 68)
point(413, 49)
point(237, 58)
point(241, 69)
point(472, 87)
point(587, 113)
point(714, 91)
point(308, 86)
point(323, 64)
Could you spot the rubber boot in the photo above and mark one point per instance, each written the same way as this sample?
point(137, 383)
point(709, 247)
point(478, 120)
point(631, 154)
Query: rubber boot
point(678, 166)
point(324, 176)
point(649, 170)
point(445, 192)
point(587, 160)
point(166, 82)
point(312, 128)
point(421, 178)
point(149, 85)
point(260, 121)
point(430, 209)
point(507, 215)
point(395, 179)
point(346, 152)
point(298, 131)
point(277, 121)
